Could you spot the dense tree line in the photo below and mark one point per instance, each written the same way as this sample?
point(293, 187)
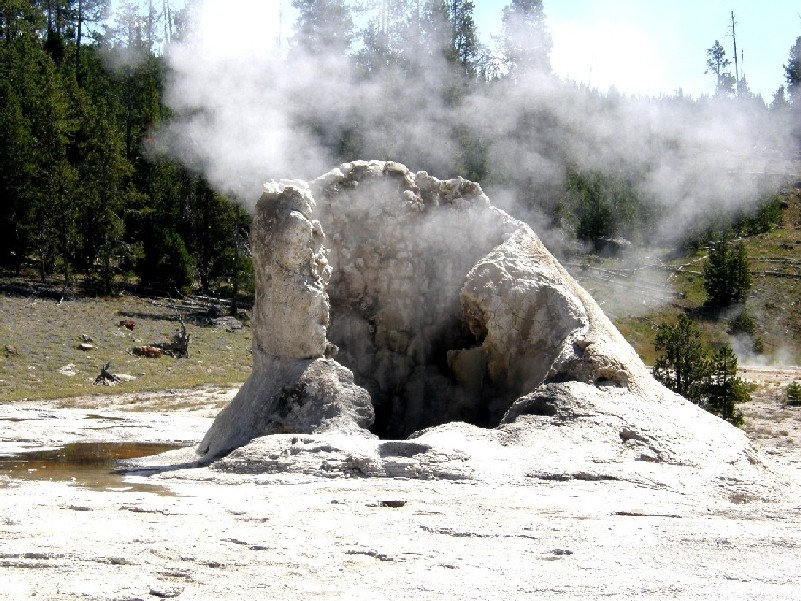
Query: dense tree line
point(83, 190)
point(86, 190)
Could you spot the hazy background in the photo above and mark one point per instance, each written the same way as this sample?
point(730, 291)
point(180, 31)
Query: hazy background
point(253, 104)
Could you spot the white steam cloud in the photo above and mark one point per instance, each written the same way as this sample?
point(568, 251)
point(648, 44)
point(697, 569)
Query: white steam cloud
point(249, 112)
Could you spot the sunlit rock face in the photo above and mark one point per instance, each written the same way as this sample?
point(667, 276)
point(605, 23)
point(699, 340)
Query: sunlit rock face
point(393, 305)
point(393, 301)
point(401, 246)
point(444, 307)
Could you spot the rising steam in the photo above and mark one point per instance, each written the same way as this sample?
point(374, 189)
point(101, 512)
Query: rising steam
point(246, 110)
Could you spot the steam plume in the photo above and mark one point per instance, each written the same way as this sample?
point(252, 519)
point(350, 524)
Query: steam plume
point(247, 112)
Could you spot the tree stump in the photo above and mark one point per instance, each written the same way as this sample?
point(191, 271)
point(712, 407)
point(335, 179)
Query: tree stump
point(179, 347)
point(106, 378)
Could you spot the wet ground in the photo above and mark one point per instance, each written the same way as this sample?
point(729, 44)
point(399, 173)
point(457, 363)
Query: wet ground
point(93, 465)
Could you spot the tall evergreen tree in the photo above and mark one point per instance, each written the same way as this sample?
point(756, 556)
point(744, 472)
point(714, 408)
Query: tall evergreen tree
point(779, 101)
point(51, 222)
point(526, 41)
point(104, 192)
point(391, 34)
point(464, 39)
point(717, 64)
point(792, 72)
point(213, 223)
point(86, 11)
point(323, 27)
point(727, 279)
point(682, 365)
point(724, 390)
point(20, 18)
point(707, 379)
point(16, 145)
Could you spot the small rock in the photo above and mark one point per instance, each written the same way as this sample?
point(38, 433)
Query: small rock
point(151, 352)
point(166, 592)
point(85, 346)
point(391, 503)
point(68, 370)
point(11, 351)
point(228, 323)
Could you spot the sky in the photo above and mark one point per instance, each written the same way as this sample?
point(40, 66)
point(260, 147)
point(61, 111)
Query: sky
point(641, 47)
point(649, 47)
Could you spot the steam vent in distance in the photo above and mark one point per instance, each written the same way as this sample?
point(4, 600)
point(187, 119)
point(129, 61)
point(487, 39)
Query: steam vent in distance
point(405, 327)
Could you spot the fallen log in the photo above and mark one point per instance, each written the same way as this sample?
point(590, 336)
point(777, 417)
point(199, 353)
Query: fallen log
point(179, 347)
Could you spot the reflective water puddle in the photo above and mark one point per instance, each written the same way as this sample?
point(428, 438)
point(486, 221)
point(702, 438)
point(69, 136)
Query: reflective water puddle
point(87, 464)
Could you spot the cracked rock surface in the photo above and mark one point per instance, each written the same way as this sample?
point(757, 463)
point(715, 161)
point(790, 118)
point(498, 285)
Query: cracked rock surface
point(554, 528)
point(394, 306)
point(542, 507)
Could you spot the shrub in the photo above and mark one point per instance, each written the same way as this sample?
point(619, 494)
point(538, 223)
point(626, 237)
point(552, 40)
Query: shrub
point(794, 394)
point(707, 378)
point(742, 322)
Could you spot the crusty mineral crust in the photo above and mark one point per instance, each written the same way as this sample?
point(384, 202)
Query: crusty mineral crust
point(396, 305)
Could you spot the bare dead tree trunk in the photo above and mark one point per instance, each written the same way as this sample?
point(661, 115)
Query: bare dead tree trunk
point(106, 377)
point(78, 43)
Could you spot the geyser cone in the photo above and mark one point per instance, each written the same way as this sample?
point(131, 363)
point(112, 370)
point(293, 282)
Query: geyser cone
point(390, 302)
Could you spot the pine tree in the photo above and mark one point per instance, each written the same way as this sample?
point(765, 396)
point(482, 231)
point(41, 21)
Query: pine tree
point(717, 63)
point(323, 27)
point(103, 188)
point(689, 369)
point(727, 278)
point(86, 11)
point(683, 366)
point(464, 37)
point(20, 18)
point(792, 72)
point(724, 390)
point(15, 183)
point(526, 42)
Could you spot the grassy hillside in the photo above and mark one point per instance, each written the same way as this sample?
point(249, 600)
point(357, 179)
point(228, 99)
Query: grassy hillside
point(642, 290)
point(40, 356)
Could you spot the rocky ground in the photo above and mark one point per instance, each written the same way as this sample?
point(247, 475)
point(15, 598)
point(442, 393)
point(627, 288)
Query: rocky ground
point(205, 533)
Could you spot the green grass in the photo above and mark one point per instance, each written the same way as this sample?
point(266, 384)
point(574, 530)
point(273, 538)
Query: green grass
point(46, 335)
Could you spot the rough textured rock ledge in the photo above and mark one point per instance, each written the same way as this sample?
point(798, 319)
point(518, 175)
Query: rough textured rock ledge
point(395, 305)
